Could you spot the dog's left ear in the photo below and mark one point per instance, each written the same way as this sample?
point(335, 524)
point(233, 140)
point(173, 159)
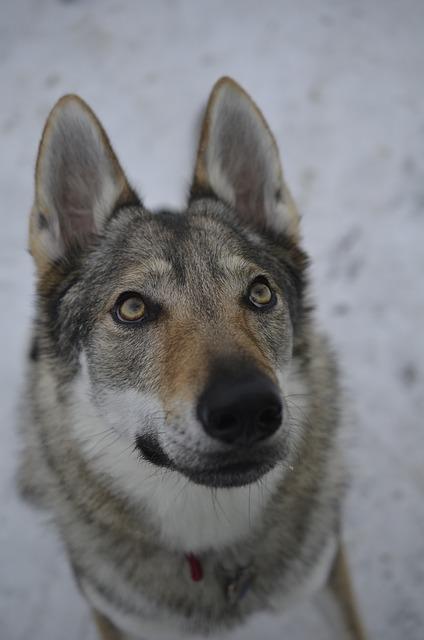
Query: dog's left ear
point(238, 161)
point(78, 182)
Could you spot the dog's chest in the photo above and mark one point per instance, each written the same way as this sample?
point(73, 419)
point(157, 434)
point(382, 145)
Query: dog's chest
point(173, 596)
point(185, 594)
point(169, 600)
point(187, 585)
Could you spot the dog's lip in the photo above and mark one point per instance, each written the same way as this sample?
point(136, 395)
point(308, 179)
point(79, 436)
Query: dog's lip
point(153, 452)
point(238, 474)
point(225, 470)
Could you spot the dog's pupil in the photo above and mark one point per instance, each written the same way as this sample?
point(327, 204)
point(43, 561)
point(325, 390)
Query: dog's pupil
point(132, 307)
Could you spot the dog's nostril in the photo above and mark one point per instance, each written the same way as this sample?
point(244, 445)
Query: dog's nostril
point(225, 421)
point(269, 417)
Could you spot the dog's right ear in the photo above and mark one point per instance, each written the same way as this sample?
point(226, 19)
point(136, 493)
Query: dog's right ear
point(78, 182)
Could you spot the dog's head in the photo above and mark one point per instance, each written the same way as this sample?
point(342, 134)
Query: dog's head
point(182, 325)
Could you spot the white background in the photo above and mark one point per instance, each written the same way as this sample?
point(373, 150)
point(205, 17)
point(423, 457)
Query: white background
point(341, 84)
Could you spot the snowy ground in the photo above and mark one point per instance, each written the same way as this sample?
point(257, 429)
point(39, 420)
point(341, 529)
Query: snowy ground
point(342, 86)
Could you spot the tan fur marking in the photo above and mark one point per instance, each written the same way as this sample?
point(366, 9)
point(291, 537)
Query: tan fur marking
point(341, 585)
point(250, 343)
point(107, 631)
point(49, 278)
point(191, 346)
point(184, 371)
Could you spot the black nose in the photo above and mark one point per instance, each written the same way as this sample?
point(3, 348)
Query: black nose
point(240, 409)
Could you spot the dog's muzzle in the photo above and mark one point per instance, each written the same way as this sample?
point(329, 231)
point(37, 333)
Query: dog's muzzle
point(240, 409)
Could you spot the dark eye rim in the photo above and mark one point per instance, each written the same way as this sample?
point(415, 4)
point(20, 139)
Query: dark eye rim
point(126, 295)
point(263, 307)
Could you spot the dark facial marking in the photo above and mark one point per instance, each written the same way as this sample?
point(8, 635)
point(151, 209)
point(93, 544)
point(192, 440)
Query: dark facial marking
point(34, 352)
point(43, 223)
point(151, 451)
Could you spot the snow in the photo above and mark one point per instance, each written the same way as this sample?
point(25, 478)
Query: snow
point(341, 84)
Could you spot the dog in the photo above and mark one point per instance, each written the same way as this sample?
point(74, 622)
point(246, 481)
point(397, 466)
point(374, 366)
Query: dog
point(182, 413)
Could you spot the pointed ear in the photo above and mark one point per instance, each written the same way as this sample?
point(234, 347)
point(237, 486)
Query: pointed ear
point(78, 182)
point(238, 161)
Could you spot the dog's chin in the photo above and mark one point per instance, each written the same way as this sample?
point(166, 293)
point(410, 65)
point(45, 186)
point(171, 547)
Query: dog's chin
point(224, 471)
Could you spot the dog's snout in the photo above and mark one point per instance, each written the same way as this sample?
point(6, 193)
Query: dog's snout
point(240, 409)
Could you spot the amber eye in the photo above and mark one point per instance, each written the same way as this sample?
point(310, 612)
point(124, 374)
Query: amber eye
point(261, 294)
point(130, 307)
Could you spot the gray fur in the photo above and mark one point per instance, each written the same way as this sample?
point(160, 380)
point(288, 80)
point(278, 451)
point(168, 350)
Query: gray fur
point(114, 542)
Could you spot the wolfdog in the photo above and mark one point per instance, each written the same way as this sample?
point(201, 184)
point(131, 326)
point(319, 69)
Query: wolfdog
point(182, 412)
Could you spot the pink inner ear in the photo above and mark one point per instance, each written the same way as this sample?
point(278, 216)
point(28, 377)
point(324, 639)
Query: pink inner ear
point(75, 199)
point(250, 198)
point(244, 152)
point(245, 170)
point(76, 225)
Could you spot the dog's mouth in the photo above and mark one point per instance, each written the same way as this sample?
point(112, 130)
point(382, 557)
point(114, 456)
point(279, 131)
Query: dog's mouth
point(236, 474)
point(235, 469)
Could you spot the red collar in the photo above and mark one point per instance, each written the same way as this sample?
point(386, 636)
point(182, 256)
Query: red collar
point(196, 569)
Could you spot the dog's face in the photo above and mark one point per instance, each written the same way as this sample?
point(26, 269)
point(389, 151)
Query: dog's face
point(190, 336)
point(182, 324)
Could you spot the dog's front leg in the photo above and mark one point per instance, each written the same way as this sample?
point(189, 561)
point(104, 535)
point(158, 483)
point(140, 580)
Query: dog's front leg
point(107, 631)
point(339, 589)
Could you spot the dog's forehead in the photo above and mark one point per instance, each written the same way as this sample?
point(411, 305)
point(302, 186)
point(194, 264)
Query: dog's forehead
point(181, 246)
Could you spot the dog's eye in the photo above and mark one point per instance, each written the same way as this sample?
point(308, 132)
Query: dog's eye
point(261, 295)
point(129, 307)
